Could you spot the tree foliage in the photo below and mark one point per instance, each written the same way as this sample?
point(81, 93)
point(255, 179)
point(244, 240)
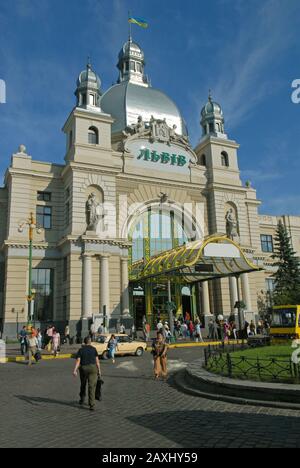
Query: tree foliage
point(287, 276)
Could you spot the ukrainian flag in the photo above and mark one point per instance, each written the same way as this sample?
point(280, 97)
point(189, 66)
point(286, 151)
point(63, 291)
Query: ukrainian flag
point(140, 22)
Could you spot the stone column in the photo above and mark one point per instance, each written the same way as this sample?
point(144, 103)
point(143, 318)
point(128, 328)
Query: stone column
point(233, 294)
point(87, 287)
point(124, 287)
point(246, 291)
point(205, 299)
point(105, 286)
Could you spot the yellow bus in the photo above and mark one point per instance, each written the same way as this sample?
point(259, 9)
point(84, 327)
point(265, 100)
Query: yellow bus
point(285, 322)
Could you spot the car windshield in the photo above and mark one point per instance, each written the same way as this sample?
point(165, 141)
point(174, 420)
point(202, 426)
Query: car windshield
point(101, 339)
point(284, 318)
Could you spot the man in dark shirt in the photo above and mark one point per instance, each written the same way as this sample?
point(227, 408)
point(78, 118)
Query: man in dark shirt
point(87, 361)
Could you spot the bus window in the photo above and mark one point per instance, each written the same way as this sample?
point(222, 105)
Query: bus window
point(284, 318)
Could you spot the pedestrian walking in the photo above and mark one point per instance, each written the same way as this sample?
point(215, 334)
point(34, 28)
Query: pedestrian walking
point(184, 330)
point(32, 348)
point(159, 352)
point(198, 333)
point(87, 362)
point(67, 335)
point(259, 328)
point(39, 339)
point(226, 331)
point(55, 342)
point(252, 328)
point(234, 331)
point(215, 331)
point(133, 332)
point(122, 329)
point(93, 331)
point(147, 331)
point(167, 333)
point(191, 330)
point(49, 333)
point(112, 348)
point(23, 341)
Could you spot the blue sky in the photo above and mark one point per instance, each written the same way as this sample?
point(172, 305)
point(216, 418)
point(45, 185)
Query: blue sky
point(247, 52)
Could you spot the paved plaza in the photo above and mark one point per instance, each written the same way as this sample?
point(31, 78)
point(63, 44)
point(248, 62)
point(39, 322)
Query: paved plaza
point(39, 409)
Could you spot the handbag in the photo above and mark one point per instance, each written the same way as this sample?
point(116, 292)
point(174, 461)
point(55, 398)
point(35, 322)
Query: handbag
point(37, 356)
point(98, 393)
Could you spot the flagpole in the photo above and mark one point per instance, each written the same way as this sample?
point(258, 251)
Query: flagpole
point(130, 27)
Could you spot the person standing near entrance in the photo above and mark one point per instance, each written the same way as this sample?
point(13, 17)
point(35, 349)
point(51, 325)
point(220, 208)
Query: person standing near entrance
point(87, 362)
point(159, 352)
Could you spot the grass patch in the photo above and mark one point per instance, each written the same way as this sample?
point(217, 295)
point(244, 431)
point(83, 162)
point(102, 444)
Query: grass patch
point(267, 352)
point(268, 364)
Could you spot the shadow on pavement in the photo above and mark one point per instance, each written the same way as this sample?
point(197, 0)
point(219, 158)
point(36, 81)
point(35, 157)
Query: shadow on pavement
point(197, 428)
point(35, 401)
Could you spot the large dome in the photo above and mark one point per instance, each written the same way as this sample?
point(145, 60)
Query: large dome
point(127, 101)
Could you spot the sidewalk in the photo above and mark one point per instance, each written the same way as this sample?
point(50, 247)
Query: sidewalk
point(13, 353)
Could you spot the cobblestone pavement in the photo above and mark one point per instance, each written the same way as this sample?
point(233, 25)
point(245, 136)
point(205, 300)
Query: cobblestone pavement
point(38, 409)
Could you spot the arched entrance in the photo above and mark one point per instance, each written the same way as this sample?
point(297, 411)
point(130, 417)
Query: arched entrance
point(157, 229)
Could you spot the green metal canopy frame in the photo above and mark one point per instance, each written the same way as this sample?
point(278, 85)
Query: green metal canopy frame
point(211, 258)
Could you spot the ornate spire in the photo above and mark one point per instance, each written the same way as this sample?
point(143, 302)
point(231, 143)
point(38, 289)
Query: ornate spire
point(88, 90)
point(212, 119)
point(132, 63)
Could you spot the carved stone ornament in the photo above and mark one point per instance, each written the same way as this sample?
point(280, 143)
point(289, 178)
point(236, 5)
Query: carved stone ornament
point(156, 131)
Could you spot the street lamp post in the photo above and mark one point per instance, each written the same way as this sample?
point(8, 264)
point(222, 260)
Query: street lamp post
point(32, 225)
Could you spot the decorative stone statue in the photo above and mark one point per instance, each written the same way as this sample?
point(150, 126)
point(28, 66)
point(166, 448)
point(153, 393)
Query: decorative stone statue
point(140, 127)
point(22, 149)
point(231, 225)
point(92, 213)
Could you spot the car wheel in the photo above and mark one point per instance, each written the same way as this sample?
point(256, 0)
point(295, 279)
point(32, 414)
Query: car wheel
point(105, 355)
point(139, 352)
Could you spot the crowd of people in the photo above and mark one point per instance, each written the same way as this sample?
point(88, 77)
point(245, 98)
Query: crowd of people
point(33, 341)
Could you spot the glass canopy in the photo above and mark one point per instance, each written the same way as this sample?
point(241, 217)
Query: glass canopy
point(213, 257)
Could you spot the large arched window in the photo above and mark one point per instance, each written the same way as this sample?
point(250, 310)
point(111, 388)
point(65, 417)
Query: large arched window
point(93, 136)
point(156, 232)
point(224, 159)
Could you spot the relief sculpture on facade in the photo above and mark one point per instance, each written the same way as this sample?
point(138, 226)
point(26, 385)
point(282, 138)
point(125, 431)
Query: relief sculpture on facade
point(155, 130)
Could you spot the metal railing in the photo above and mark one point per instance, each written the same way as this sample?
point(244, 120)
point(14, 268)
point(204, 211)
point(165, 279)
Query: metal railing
point(224, 362)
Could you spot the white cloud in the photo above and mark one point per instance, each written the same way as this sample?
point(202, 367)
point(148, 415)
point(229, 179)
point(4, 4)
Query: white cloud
point(256, 39)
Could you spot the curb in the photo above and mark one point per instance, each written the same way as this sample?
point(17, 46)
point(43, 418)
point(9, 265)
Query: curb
point(44, 358)
point(181, 385)
point(211, 387)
